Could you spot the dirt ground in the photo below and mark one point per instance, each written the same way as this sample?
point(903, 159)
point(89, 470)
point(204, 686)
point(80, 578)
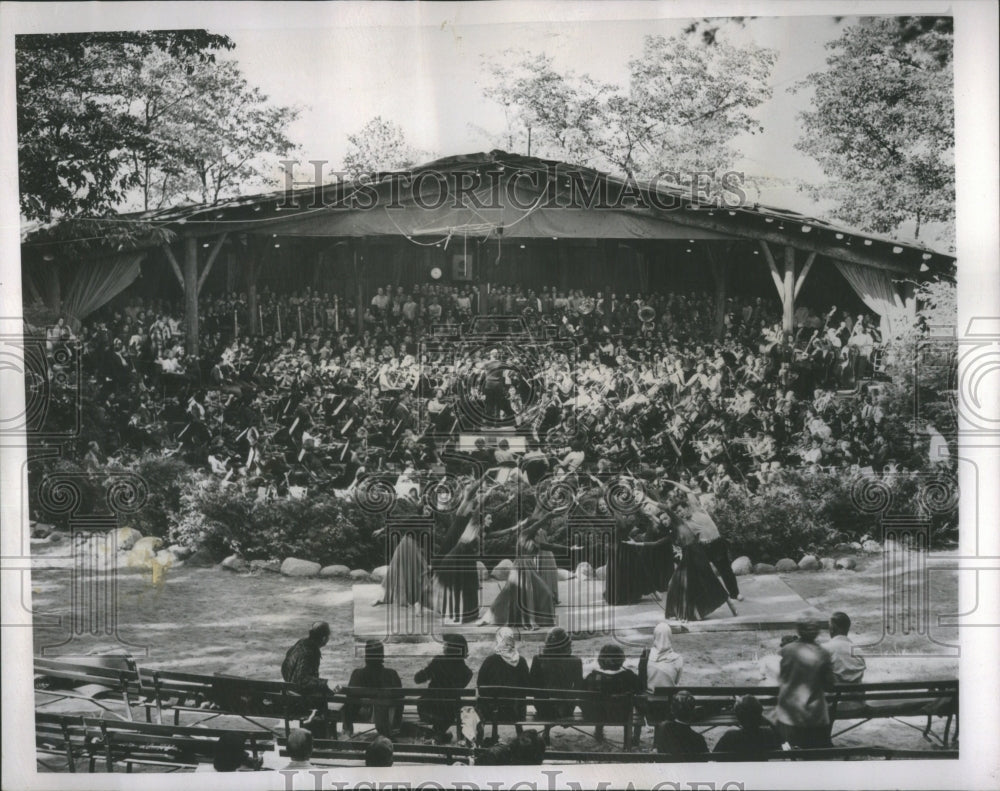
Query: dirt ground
point(212, 620)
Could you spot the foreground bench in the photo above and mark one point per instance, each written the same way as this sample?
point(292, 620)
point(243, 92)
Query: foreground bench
point(368, 701)
point(94, 679)
point(168, 747)
point(862, 702)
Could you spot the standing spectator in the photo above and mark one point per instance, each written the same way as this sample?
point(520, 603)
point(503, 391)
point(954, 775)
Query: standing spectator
point(753, 737)
point(847, 668)
point(805, 675)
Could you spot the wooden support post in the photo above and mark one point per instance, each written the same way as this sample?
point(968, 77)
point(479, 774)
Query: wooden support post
point(802, 275)
point(720, 274)
point(773, 267)
point(253, 255)
point(788, 295)
point(359, 268)
point(212, 255)
point(191, 293)
point(174, 265)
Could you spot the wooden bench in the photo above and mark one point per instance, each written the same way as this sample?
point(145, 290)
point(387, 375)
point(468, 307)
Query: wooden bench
point(863, 702)
point(367, 700)
point(338, 752)
point(170, 747)
point(818, 754)
point(219, 695)
point(614, 710)
point(94, 679)
point(61, 735)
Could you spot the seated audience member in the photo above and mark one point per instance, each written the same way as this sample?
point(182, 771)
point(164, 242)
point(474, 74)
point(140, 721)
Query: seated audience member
point(301, 669)
point(754, 736)
point(300, 747)
point(447, 671)
point(555, 667)
point(660, 666)
point(374, 675)
point(505, 667)
point(379, 753)
point(847, 668)
point(676, 736)
point(230, 755)
point(525, 749)
point(801, 715)
point(613, 681)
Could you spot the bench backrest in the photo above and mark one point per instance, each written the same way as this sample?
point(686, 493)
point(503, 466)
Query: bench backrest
point(116, 671)
point(256, 697)
point(608, 709)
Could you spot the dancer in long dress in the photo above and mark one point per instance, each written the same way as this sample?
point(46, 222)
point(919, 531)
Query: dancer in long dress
point(457, 574)
point(407, 579)
point(530, 595)
point(695, 591)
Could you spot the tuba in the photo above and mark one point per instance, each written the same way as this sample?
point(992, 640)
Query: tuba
point(646, 314)
point(587, 305)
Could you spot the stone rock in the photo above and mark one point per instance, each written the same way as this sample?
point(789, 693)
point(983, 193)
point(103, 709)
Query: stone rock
point(871, 546)
point(584, 570)
point(563, 574)
point(502, 569)
point(272, 565)
point(41, 530)
point(55, 538)
point(200, 558)
point(600, 572)
point(856, 546)
point(335, 572)
point(764, 568)
point(846, 563)
point(143, 551)
point(785, 565)
point(827, 563)
point(484, 573)
point(180, 551)
point(359, 575)
point(41, 542)
point(379, 572)
point(127, 537)
point(166, 558)
point(295, 567)
point(742, 566)
point(235, 563)
point(809, 563)
point(844, 549)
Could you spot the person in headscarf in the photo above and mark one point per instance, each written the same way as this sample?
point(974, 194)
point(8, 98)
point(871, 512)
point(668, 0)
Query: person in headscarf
point(555, 667)
point(659, 666)
point(614, 681)
point(444, 672)
point(505, 667)
point(374, 675)
point(407, 579)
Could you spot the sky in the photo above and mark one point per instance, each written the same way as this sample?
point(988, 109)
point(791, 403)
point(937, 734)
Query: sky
point(429, 79)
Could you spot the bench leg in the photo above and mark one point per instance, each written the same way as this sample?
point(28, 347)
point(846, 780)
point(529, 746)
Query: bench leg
point(628, 735)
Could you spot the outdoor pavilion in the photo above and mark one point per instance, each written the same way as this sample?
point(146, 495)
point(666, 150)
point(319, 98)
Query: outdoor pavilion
point(488, 218)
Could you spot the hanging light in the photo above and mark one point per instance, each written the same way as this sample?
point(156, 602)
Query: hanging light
point(926, 256)
point(840, 236)
point(897, 249)
point(868, 242)
point(806, 228)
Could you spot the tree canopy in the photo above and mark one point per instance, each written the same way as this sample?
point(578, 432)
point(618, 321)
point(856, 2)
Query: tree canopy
point(882, 125)
point(680, 90)
point(380, 145)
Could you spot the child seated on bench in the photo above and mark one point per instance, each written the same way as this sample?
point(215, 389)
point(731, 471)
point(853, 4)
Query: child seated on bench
point(447, 671)
point(611, 678)
point(374, 675)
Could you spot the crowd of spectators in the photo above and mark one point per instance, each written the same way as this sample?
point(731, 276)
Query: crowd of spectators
point(600, 381)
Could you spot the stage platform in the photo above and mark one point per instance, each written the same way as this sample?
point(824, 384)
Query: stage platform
point(768, 604)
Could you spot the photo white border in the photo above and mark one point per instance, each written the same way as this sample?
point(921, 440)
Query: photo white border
point(978, 250)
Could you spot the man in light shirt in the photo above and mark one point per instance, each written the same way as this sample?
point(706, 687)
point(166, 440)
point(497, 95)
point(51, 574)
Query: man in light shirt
point(847, 668)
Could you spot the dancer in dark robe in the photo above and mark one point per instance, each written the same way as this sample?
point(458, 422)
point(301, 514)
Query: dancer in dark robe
point(695, 591)
point(407, 579)
point(456, 572)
